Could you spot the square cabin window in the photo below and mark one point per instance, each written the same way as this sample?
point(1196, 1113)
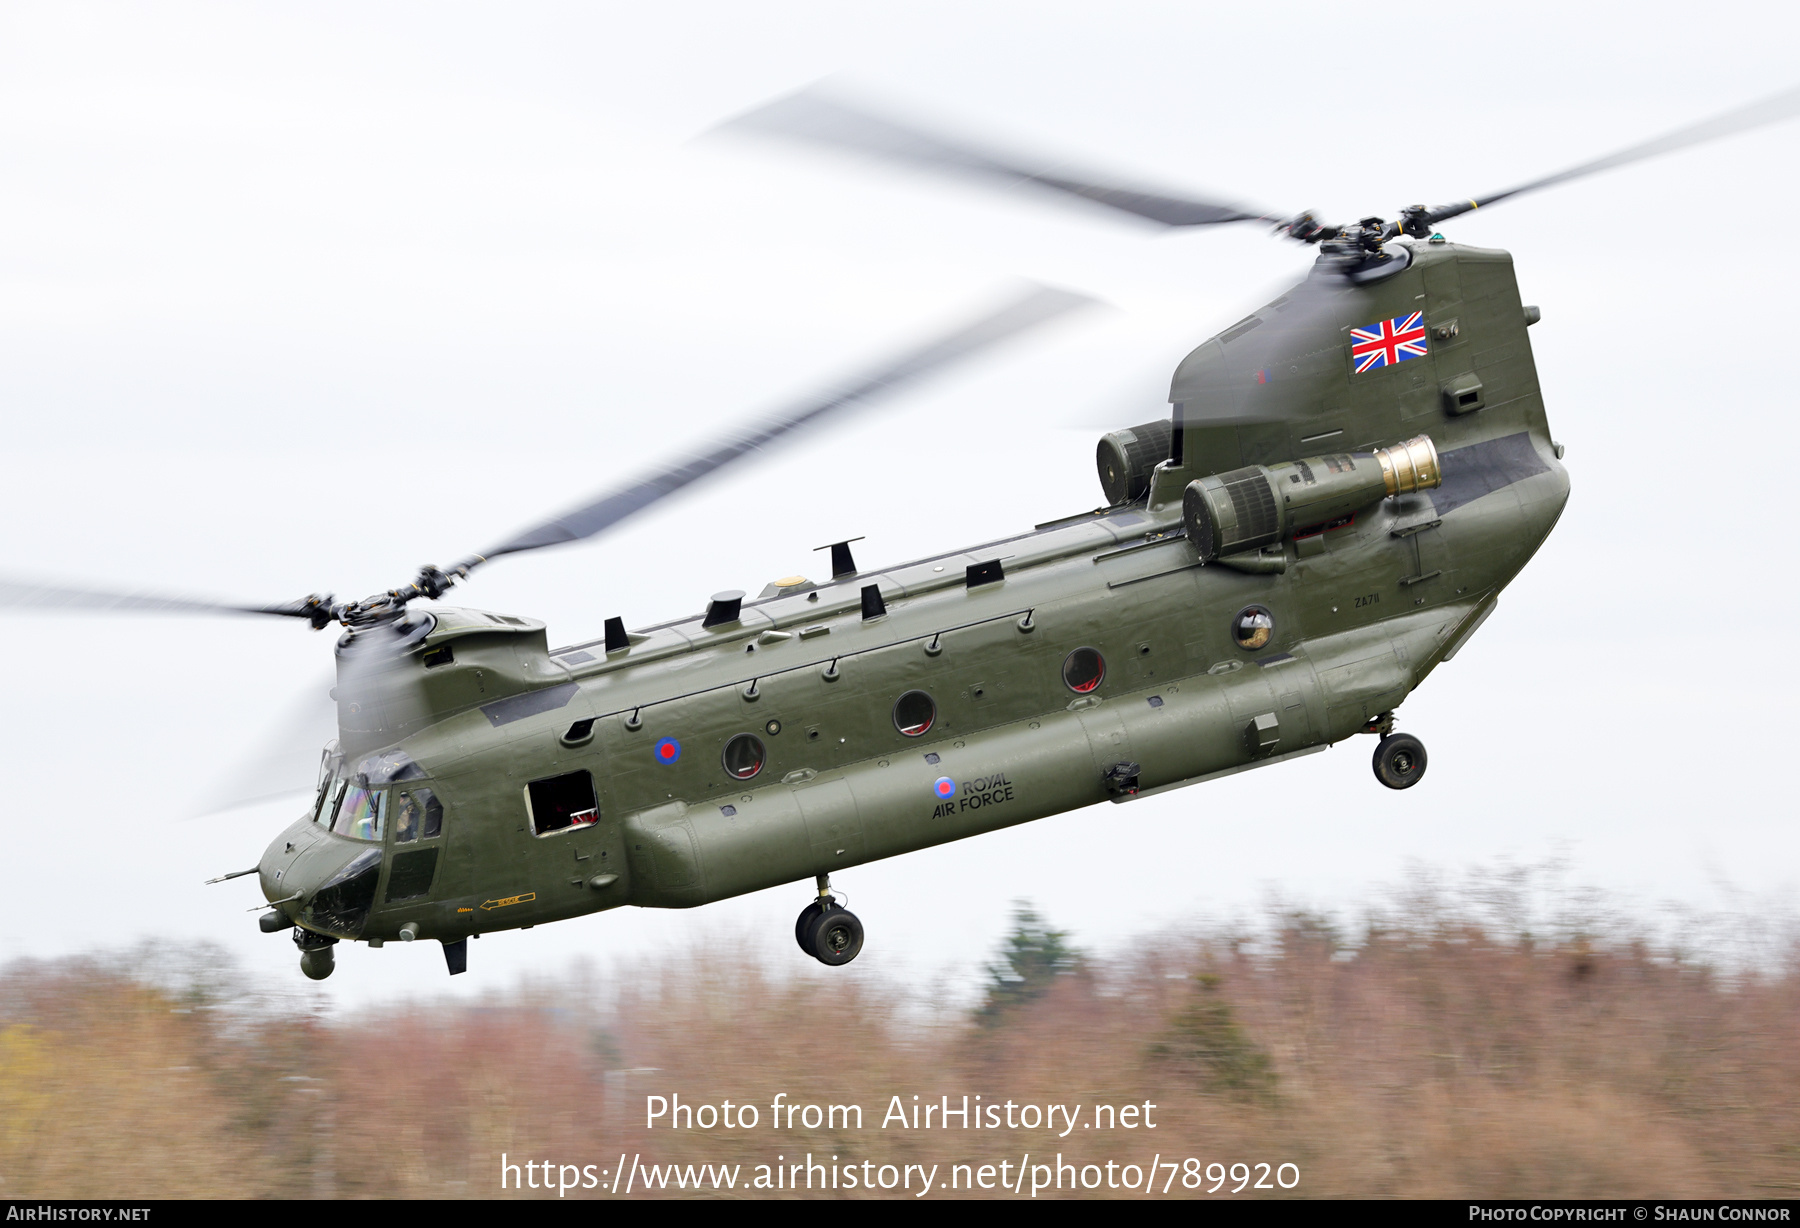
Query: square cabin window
point(561, 802)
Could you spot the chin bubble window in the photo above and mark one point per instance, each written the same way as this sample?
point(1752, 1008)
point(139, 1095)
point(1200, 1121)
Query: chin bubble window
point(744, 756)
point(1253, 627)
point(1083, 670)
point(914, 713)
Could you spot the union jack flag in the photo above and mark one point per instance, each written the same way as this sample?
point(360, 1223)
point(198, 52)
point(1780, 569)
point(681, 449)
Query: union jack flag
point(1389, 342)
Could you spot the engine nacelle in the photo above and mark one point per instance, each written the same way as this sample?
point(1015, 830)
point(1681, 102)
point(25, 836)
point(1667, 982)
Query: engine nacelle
point(1253, 507)
point(1126, 457)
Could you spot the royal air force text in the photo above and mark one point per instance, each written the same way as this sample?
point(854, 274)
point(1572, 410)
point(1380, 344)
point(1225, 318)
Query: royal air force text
point(992, 790)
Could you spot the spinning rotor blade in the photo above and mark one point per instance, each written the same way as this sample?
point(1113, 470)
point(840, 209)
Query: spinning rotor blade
point(1037, 306)
point(24, 595)
point(1769, 110)
point(1304, 323)
point(375, 620)
point(285, 761)
point(814, 117)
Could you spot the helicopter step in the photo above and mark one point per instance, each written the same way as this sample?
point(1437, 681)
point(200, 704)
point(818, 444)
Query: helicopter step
point(826, 931)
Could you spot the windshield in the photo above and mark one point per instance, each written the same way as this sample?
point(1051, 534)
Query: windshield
point(353, 803)
point(360, 814)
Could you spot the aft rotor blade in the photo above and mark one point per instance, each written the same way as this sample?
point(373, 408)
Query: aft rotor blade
point(1770, 110)
point(22, 595)
point(1037, 306)
point(819, 119)
point(1303, 323)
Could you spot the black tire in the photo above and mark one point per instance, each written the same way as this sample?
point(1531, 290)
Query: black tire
point(803, 924)
point(1400, 761)
point(837, 937)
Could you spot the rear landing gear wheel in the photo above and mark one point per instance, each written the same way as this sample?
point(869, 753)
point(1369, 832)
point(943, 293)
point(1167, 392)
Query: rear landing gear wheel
point(803, 924)
point(1400, 761)
point(837, 936)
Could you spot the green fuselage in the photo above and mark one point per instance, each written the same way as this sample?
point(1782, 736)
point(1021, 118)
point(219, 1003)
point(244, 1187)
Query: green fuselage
point(1361, 613)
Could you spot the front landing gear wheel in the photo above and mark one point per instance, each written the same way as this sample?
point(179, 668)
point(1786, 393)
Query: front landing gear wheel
point(836, 937)
point(317, 964)
point(1400, 761)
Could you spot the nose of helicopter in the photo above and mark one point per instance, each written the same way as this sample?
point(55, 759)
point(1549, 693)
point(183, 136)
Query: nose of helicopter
point(275, 871)
point(324, 884)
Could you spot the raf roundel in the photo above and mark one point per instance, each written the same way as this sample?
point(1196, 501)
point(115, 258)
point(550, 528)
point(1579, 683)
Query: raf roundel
point(666, 750)
point(945, 787)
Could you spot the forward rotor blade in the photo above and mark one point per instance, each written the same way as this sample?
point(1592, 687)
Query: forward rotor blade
point(819, 119)
point(1037, 306)
point(27, 595)
point(1769, 110)
point(285, 762)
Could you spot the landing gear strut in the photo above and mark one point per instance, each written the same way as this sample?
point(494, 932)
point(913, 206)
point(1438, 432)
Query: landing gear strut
point(829, 933)
point(1382, 725)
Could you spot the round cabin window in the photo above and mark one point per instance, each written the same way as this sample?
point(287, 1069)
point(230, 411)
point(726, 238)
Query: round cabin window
point(914, 713)
point(1253, 628)
point(744, 756)
point(1083, 669)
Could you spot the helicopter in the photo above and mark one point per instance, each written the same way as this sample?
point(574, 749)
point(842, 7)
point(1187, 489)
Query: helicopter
point(1347, 479)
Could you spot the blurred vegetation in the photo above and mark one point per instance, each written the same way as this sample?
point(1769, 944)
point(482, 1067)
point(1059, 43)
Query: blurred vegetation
point(1453, 1048)
point(1205, 1041)
point(1031, 959)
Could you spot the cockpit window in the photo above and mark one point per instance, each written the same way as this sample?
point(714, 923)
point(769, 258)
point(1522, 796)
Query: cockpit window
point(360, 814)
point(342, 905)
point(418, 815)
point(330, 795)
point(330, 766)
point(395, 765)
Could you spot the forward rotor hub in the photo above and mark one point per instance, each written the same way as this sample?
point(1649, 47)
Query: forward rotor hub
point(432, 582)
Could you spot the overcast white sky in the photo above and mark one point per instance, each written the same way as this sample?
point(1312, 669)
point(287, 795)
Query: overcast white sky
point(295, 298)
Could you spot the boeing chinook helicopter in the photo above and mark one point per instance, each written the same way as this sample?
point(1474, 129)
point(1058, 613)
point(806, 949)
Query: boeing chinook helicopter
point(1345, 482)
